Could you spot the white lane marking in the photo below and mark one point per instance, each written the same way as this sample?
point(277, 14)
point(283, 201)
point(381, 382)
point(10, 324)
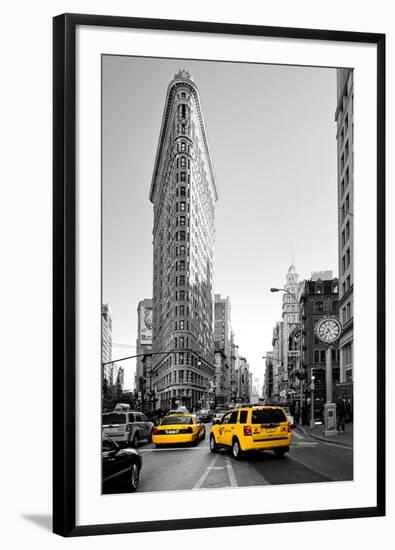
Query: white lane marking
point(174, 449)
point(334, 444)
point(297, 435)
point(204, 475)
point(305, 444)
point(231, 473)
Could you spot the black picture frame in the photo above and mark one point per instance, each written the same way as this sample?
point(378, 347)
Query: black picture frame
point(64, 273)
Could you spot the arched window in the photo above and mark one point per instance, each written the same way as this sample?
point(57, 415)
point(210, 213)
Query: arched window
point(183, 162)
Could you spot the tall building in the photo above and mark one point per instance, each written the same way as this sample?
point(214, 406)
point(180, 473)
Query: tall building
point(277, 360)
point(222, 324)
point(243, 381)
point(183, 192)
point(295, 367)
point(143, 342)
point(106, 355)
point(268, 383)
point(345, 162)
point(119, 383)
point(234, 359)
point(106, 332)
point(222, 350)
point(106, 340)
point(290, 315)
point(318, 297)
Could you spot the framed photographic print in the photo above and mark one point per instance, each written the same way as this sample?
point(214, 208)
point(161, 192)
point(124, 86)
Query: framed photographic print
point(219, 275)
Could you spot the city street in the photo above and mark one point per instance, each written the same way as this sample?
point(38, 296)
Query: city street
point(186, 468)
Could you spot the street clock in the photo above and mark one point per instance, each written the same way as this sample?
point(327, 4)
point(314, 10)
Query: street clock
point(328, 329)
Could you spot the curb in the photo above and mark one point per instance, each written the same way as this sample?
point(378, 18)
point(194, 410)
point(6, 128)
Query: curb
point(338, 443)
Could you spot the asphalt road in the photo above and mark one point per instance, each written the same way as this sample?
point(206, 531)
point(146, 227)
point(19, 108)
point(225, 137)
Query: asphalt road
point(186, 468)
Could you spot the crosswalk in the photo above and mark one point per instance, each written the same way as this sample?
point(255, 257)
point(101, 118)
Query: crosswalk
point(300, 440)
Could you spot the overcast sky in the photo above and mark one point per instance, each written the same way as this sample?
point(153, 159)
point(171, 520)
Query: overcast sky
point(272, 137)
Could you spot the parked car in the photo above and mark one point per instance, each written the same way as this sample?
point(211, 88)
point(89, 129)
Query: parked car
point(120, 467)
point(252, 429)
point(127, 428)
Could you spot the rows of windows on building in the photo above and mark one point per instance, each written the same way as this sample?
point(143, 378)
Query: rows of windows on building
point(296, 347)
point(344, 117)
point(113, 374)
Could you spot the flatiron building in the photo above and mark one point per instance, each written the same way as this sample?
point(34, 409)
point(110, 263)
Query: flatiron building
point(183, 192)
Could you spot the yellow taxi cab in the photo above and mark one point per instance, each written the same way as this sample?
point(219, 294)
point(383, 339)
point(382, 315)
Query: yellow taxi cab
point(178, 428)
point(252, 429)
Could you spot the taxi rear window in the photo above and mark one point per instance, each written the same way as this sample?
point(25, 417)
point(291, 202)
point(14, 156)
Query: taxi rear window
point(177, 420)
point(267, 416)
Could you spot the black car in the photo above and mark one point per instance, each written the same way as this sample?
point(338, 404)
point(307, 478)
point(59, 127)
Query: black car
point(205, 416)
point(120, 467)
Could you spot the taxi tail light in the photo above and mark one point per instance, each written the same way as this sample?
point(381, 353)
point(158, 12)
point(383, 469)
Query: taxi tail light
point(289, 427)
point(186, 431)
point(155, 431)
point(247, 430)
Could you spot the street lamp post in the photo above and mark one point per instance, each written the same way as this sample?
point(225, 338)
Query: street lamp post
point(312, 421)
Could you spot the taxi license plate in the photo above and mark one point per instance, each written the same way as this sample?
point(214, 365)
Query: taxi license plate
point(270, 430)
point(171, 431)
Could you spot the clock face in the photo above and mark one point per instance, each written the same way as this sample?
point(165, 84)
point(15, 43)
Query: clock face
point(328, 330)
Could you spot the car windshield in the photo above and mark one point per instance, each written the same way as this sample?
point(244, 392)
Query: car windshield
point(114, 418)
point(169, 420)
point(267, 416)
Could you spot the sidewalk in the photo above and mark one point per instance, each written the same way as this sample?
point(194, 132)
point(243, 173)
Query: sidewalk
point(345, 439)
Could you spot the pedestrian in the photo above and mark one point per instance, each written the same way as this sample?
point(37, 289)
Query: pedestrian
point(297, 414)
point(305, 415)
point(341, 410)
point(348, 410)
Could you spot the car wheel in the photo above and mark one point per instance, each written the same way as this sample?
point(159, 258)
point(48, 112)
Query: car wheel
point(213, 445)
point(134, 476)
point(236, 449)
point(279, 452)
point(136, 440)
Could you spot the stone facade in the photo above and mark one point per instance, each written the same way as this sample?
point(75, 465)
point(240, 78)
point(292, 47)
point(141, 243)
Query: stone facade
point(222, 346)
point(143, 346)
point(318, 298)
point(345, 154)
point(183, 193)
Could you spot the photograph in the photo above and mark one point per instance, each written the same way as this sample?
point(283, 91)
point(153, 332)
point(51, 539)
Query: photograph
point(227, 274)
